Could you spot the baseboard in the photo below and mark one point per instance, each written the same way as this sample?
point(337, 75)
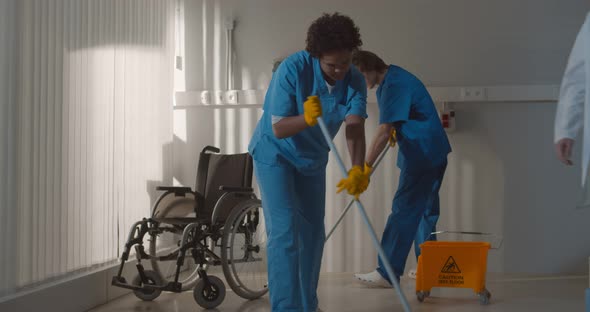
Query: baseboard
point(77, 293)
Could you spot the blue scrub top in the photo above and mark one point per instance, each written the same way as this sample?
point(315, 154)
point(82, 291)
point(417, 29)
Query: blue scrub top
point(404, 101)
point(298, 77)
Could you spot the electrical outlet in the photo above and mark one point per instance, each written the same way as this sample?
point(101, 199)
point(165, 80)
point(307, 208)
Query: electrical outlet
point(232, 97)
point(473, 94)
point(219, 97)
point(205, 97)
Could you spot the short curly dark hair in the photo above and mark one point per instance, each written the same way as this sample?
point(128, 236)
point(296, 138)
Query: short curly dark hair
point(332, 32)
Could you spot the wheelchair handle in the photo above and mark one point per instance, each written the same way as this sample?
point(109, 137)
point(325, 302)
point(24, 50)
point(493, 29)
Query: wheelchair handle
point(210, 148)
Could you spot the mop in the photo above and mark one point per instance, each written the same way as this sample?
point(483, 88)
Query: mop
point(384, 259)
point(352, 200)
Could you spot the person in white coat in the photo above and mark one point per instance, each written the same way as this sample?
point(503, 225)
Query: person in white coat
point(573, 108)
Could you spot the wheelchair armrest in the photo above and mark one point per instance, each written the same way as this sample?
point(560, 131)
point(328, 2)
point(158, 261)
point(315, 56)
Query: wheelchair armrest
point(236, 189)
point(210, 148)
point(178, 190)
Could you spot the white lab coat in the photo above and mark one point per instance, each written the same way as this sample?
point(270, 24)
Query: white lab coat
point(573, 108)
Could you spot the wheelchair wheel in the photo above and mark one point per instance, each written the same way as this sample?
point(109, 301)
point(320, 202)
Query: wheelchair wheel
point(164, 242)
point(152, 279)
point(243, 250)
point(209, 296)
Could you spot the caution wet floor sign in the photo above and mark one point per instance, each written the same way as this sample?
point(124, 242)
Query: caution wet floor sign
point(450, 273)
point(452, 264)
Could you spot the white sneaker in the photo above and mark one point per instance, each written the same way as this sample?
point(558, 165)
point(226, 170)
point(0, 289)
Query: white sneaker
point(373, 279)
point(412, 274)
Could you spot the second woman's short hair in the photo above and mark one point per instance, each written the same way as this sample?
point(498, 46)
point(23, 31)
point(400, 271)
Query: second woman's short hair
point(368, 61)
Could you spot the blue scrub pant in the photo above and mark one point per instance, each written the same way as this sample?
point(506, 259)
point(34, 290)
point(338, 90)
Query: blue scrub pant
point(294, 209)
point(415, 211)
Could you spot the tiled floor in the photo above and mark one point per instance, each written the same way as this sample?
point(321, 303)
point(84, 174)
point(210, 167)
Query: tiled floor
point(339, 293)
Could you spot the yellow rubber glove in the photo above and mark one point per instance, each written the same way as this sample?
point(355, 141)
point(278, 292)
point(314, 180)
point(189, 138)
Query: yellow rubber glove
point(356, 182)
point(392, 137)
point(312, 109)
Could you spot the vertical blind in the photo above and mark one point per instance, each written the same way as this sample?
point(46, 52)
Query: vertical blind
point(92, 131)
point(8, 42)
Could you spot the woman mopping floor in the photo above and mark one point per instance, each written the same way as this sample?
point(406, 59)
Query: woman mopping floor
point(406, 107)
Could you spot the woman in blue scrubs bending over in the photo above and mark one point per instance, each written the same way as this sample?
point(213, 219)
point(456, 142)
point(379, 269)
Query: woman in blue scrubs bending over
point(290, 154)
point(406, 107)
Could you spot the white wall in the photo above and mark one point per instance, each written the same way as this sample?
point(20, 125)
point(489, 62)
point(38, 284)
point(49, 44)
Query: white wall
point(502, 176)
point(447, 43)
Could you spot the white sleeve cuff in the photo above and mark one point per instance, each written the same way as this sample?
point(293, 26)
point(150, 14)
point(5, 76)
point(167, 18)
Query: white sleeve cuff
point(563, 134)
point(276, 119)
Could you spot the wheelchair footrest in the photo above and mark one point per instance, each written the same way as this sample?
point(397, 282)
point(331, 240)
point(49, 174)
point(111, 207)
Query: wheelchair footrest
point(171, 286)
point(120, 281)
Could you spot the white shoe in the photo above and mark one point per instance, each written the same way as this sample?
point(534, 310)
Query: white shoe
point(373, 279)
point(412, 274)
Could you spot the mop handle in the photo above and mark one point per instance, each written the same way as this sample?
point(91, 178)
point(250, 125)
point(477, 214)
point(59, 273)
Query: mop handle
point(375, 165)
point(384, 259)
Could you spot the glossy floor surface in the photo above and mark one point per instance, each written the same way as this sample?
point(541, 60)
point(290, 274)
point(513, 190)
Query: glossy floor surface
point(340, 293)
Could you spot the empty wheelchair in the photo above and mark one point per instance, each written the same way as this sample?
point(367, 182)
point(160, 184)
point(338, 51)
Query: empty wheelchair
point(189, 232)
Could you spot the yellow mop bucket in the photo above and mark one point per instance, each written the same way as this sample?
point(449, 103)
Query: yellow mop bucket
point(452, 264)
